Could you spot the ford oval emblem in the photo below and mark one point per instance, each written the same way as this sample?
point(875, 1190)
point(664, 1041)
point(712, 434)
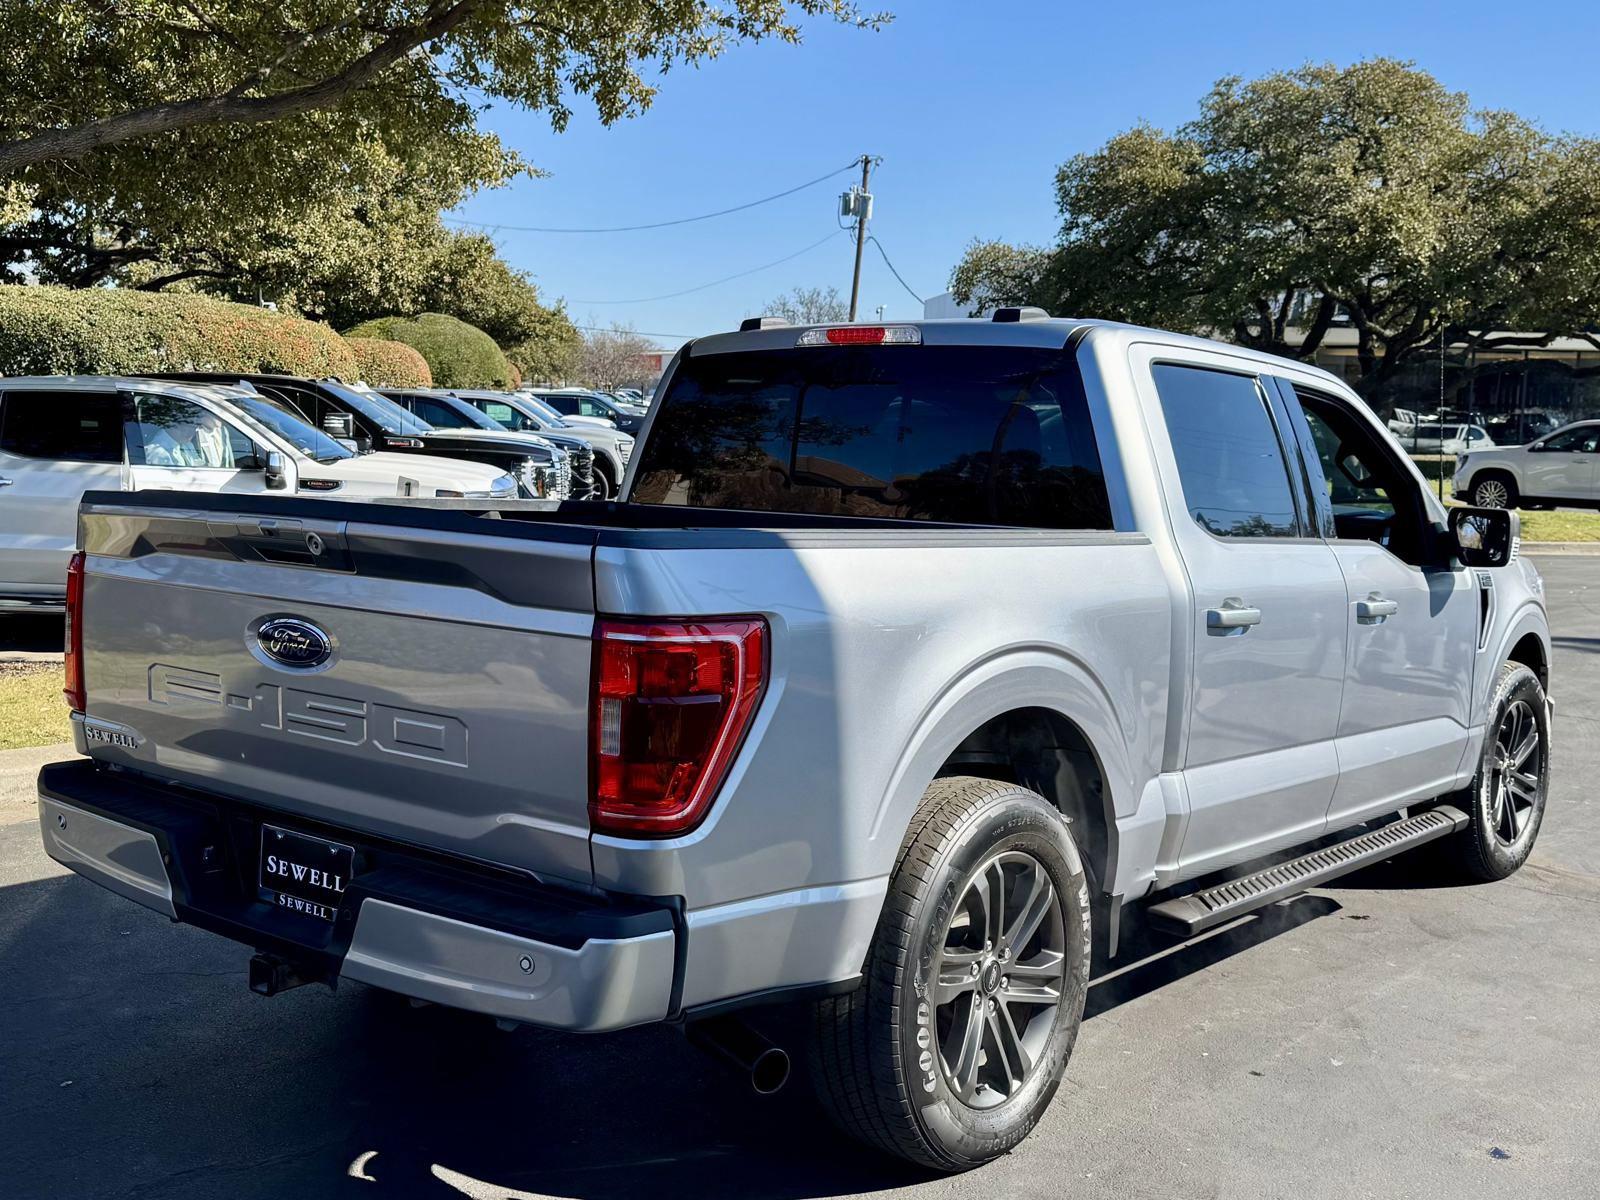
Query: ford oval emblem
point(292, 642)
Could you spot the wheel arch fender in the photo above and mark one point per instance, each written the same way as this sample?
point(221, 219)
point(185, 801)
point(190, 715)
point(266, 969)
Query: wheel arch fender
point(1024, 677)
point(1525, 639)
point(1510, 470)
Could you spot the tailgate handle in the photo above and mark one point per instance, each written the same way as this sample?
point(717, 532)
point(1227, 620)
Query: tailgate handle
point(287, 540)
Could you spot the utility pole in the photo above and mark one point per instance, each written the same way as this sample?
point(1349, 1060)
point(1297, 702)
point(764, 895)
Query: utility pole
point(863, 208)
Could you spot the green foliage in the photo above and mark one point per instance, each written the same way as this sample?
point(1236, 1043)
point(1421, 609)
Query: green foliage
point(389, 364)
point(1370, 193)
point(460, 275)
point(110, 331)
point(458, 354)
point(301, 150)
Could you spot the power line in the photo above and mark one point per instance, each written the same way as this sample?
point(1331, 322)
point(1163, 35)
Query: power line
point(717, 282)
point(722, 212)
point(874, 240)
point(640, 332)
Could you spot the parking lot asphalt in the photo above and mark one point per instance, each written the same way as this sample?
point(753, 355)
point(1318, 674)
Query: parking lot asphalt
point(1392, 1036)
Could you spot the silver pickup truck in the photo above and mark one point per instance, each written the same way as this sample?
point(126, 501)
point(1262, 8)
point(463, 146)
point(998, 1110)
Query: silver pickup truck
point(921, 662)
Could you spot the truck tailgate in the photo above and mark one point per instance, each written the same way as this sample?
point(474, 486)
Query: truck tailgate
point(414, 674)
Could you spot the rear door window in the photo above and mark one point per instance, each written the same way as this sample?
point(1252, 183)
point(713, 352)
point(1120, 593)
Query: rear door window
point(987, 435)
point(61, 425)
point(1231, 462)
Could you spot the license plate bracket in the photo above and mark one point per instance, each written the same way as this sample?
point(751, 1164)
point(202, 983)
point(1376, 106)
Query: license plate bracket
point(304, 874)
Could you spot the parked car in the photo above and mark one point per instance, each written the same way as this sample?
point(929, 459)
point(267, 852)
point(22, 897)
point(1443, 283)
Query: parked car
point(923, 661)
point(591, 404)
point(520, 411)
point(1556, 469)
point(61, 436)
point(443, 411)
point(364, 420)
point(1441, 438)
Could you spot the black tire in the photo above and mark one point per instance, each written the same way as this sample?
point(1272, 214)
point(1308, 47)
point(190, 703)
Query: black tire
point(1494, 489)
point(1506, 800)
point(605, 488)
point(878, 1053)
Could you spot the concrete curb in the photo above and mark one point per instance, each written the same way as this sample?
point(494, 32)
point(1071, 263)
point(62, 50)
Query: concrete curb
point(1537, 548)
point(29, 759)
point(17, 771)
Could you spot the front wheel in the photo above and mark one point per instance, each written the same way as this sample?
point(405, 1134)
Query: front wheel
point(1494, 490)
point(1506, 801)
point(956, 1041)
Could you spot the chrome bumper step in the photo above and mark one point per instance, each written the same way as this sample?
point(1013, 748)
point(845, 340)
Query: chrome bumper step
point(1202, 910)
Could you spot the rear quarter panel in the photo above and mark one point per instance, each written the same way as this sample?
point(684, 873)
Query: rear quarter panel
point(887, 651)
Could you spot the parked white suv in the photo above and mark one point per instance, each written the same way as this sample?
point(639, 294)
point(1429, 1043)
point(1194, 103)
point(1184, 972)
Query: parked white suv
point(1557, 468)
point(1434, 438)
point(61, 436)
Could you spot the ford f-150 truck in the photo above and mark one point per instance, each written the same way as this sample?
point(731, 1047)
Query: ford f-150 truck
point(919, 662)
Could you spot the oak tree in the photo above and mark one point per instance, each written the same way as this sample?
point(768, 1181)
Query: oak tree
point(1369, 195)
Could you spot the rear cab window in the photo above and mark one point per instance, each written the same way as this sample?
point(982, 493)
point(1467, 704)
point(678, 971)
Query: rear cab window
point(62, 426)
point(983, 435)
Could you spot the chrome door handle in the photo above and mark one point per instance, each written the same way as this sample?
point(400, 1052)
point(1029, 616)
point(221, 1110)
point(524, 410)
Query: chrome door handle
point(1231, 616)
point(1374, 610)
point(4, 482)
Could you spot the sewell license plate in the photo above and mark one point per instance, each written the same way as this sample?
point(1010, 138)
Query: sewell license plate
point(304, 874)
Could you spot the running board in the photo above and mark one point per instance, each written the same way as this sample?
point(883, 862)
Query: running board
point(1199, 911)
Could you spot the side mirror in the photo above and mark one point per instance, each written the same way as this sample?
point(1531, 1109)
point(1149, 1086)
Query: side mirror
point(274, 476)
point(339, 426)
point(1484, 537)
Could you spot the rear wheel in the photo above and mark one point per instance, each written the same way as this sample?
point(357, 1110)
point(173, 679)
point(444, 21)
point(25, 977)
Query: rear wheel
point(957, 1039)
point(1494, 489)
point(1506, 801)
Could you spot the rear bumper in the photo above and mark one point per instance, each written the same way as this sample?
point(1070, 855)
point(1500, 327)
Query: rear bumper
point(414, 923)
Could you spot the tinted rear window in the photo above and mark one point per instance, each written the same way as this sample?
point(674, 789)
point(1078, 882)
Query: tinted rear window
point(965, 434)
point(66, 426)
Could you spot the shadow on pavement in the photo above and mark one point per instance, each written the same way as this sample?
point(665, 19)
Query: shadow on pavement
point(142, 1040)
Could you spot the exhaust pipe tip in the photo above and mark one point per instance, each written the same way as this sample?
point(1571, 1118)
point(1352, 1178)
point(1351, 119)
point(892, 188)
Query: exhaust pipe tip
point(770, 1071)
point(731, 1039)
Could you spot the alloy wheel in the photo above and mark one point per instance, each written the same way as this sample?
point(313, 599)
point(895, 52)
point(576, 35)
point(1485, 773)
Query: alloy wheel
point(1000, 973)
point(1491, 493)
point(1516, 773)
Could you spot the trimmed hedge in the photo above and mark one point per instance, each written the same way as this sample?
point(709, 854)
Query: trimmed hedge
point(389, 364)
point(115, 331)
point(458, 354)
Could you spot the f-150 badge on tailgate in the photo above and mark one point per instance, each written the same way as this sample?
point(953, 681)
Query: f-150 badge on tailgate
point(293, 642)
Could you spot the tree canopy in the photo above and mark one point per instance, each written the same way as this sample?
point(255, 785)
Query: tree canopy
point(303, 152)
point(78, 76)
point(1370, 195)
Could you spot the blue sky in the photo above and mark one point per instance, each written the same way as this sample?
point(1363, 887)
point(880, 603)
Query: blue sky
point(972, 107)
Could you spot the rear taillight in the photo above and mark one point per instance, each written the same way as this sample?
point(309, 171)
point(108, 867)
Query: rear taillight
point(672, 702)
point(74, 689)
